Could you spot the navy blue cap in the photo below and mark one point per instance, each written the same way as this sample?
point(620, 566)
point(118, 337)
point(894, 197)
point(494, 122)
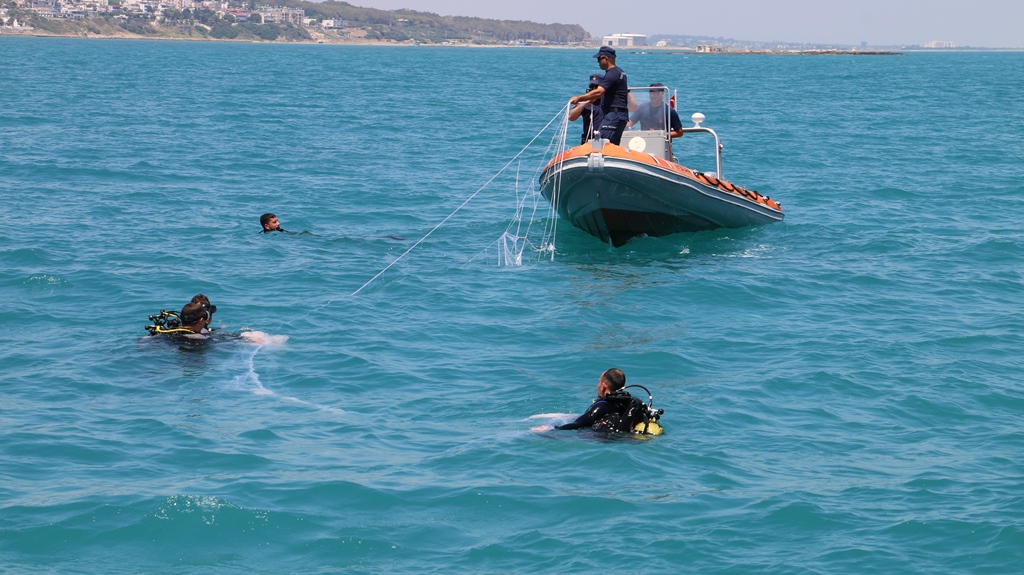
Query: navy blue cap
point(605, 51)
point(595, 79)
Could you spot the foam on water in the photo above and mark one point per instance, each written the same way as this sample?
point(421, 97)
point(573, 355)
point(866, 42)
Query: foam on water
point(260, 338)
point(249, 380)
point(552, 416)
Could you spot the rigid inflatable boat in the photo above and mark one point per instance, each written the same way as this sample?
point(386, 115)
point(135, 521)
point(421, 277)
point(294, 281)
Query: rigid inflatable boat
point(616, 193)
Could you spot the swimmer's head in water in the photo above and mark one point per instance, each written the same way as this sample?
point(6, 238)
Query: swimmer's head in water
point(269, 222)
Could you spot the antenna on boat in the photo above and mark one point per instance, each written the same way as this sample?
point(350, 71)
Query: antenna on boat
point(697, 118)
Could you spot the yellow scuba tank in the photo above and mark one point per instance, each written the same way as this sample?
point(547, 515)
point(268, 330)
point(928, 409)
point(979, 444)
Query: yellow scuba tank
point(651, 415)
point(653, 428)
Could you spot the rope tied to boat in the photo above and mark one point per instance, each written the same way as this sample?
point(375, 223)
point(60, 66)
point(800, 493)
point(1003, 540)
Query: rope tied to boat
point(512, 255)
point(563, 114)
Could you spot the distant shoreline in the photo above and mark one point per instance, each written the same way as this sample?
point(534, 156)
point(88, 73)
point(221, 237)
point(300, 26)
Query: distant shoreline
point(666, 50)
point(331, 42)
point(319, 38)
point(780, 52)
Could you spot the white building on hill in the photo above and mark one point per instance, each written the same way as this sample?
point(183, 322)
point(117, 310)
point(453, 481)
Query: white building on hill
point(621, 40)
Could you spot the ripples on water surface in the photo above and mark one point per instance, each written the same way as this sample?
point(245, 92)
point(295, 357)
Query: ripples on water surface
point(842, 390)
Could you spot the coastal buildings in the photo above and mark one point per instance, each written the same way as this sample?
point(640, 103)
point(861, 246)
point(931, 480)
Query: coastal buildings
point(161, 10)
point(624, 40)
point(12, 22)
point(939, 44)
point(249, 20)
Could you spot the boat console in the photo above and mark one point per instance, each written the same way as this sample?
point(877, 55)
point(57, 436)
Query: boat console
point(653, 142)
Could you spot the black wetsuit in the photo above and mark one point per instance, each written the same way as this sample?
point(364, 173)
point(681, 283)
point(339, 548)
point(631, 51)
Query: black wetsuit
point(605, 414)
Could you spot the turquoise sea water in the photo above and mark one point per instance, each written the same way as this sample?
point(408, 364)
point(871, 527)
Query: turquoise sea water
point(842, 390)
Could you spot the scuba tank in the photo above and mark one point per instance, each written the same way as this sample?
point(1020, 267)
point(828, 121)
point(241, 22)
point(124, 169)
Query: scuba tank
point(645, 416)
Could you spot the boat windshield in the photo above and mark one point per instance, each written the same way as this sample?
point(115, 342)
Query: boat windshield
point(649, 121)
point(649, 108)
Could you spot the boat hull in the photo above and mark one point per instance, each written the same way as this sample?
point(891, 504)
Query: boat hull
point(616, 194)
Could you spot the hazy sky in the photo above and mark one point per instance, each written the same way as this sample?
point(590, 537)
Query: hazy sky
point(988, 23)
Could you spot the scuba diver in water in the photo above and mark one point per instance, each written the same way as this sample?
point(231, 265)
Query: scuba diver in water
point(192, 323)
point(191, 326)
point(615, 410)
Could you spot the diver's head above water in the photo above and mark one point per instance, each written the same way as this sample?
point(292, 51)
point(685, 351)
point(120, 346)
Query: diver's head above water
point(611, 380)
point(195, 317)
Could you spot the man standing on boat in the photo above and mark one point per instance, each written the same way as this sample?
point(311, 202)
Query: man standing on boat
point(589, 111)
point(613, 92)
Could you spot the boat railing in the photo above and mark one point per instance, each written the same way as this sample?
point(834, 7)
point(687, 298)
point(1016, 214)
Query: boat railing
point(698, 118)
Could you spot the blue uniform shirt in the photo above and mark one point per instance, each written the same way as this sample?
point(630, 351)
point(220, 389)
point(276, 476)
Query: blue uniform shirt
point(616, 91)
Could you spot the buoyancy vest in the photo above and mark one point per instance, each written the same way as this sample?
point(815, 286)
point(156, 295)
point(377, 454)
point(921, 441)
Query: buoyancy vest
point(627, 412)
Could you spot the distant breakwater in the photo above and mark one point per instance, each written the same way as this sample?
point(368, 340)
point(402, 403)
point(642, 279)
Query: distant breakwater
point(779, 53)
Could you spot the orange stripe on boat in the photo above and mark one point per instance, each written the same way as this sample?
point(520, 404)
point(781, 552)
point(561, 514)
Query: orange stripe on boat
point(613, 151)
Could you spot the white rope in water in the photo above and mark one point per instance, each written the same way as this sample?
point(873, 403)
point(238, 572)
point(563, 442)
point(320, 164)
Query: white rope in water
point(462, 205)
point(513, 256)
point(557, 186)
point(561, 113)
point(252, 377)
